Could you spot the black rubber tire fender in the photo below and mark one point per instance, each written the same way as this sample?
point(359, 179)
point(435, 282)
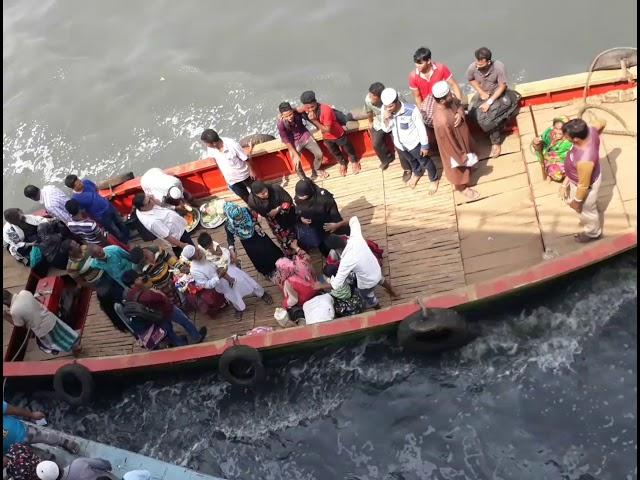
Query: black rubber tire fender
point(256, 138)
point(442, 330)
point(115, 181)
point(242, 365)
point(83, 376)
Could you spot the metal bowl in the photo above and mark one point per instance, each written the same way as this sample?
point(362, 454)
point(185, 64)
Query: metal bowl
point(218, 219)
point(196, 220)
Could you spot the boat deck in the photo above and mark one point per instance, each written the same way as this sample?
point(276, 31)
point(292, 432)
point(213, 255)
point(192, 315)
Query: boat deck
point(434, 243)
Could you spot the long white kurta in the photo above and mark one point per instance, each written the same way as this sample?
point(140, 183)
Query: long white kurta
point(205, 275)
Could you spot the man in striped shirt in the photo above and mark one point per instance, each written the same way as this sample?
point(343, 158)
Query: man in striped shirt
point(52, 198)
point(83, 226)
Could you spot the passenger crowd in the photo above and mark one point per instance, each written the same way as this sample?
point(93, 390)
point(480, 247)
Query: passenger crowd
point(145, 290)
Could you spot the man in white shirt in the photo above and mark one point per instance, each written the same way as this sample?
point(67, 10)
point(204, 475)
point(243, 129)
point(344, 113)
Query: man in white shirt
point(163, 222)
point(235, 165)
point(357, 258)
point(52, 198)
point(166, 189)
point(405, 122)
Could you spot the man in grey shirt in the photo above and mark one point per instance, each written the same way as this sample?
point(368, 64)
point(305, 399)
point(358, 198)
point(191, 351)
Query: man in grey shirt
point(493, 105)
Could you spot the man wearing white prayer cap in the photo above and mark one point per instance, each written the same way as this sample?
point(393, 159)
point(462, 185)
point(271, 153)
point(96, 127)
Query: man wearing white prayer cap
point(457, 149)
point(405, 123)
point(164, 188)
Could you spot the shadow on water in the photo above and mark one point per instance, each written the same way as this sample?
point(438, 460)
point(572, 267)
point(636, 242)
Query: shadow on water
point(548, 390)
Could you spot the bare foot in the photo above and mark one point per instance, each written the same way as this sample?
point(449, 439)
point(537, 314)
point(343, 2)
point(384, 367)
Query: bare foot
point(433, 186)
point(343, 170)
point(413, 181)
point(495, 151)
point(356, 168)
point(322, 174)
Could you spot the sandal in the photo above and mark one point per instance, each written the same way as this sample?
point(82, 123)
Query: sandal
point(474, 195)
point(238, 315)
point(266, 298)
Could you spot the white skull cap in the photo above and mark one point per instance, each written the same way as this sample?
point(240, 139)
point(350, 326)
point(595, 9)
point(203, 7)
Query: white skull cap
point(388, 96)
point(47, 470)
point(440, 89)
point(175, 193)
point(188, 252)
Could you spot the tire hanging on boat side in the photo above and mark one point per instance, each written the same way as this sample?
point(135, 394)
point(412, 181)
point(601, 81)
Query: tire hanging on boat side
point(441, 330)
point(81, 375)
point(242, 365)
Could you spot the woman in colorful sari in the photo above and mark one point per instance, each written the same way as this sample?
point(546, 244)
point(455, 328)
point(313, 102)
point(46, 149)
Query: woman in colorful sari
point(295, 278)
point(262, 252)
point(157, 265)
point(552, 148)
point(276, 205)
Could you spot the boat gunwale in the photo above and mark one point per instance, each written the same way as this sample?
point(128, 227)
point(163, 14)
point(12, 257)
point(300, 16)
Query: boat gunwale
point(469, 295)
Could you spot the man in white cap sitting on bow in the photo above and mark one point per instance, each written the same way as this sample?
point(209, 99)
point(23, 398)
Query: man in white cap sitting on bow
point(405, 123)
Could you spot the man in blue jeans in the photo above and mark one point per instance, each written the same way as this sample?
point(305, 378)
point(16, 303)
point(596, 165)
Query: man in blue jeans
point(159, 302)
point(405, 122)
point(86, 194)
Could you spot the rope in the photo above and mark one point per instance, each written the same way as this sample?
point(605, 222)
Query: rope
point(24, 342)
point(593, 64)
point(586, 106)
point(626, 131)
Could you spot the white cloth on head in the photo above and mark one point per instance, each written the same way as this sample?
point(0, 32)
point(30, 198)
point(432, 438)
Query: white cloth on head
point(205, 275)
point(162, 222)
point(54, 201)
point(440, 89)
point(358, 258)
point(232, 161)
point(188, 252)
point(388, 96)
point(155, 183)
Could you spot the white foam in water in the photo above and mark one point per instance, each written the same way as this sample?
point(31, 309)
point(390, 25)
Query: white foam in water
point(548, 339)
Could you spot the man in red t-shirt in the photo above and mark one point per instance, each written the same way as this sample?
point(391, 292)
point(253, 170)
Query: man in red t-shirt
point(427, 73)
point(159, 302)
point(324, 118)
point(422, 78)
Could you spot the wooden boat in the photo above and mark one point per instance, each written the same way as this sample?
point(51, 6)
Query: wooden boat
point(438, 248)
point(123, 461)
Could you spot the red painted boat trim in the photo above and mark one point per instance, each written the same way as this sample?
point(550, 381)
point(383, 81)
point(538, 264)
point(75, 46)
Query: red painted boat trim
point(548, 270)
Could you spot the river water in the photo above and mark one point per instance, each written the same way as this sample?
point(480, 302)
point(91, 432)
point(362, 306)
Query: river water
point(548, 391)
